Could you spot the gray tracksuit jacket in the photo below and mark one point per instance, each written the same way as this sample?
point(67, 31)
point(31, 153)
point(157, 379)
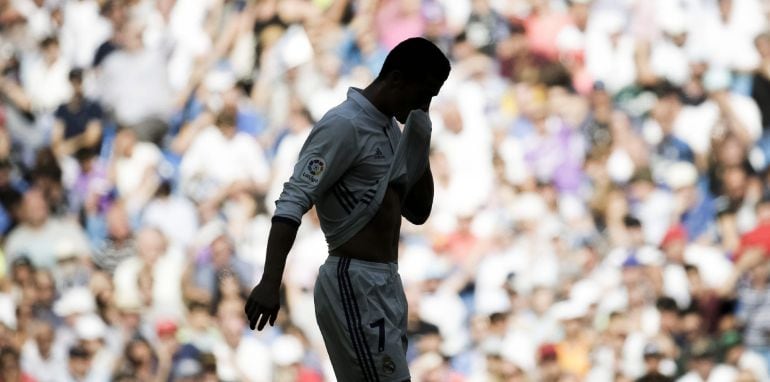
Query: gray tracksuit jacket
point(347, 162)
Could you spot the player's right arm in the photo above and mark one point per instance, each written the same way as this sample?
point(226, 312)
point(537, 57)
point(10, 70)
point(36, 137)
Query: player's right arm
point(328, 152)
point(264, 300)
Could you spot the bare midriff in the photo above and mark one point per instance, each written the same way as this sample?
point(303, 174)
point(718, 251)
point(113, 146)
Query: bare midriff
point(378, 240)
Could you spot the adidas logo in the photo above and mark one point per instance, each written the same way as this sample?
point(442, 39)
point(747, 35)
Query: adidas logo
point(378, 154)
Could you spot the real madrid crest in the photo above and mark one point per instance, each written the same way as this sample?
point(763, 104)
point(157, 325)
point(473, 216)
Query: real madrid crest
point(388, 366)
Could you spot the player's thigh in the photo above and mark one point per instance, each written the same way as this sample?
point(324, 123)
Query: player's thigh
point(363, 321)
point(383, 321)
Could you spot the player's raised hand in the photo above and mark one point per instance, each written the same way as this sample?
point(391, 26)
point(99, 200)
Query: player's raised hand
point(262, 305)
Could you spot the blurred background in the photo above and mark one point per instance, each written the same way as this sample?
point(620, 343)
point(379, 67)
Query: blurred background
point(602, 207)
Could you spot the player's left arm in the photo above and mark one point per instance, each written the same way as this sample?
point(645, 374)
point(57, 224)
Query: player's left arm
point(419, 200)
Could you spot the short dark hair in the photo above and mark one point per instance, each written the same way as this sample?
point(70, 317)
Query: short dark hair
point(48, 41)
point(666, 304)
point(665, 89)
point(416, 57)
point(228, 116)
point(497, 317)
point(76, 75)
point(631, 222)
point(79, 351)
point(85, 153)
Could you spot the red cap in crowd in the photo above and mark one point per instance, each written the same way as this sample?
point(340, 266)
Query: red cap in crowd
point(547, 352)
point(674, 234)
point(165, 327)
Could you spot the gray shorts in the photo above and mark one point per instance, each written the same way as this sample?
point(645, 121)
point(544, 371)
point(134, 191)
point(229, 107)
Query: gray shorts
point(361, 311)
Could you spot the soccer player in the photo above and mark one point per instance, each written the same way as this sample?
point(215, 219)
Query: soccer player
point(362, 174)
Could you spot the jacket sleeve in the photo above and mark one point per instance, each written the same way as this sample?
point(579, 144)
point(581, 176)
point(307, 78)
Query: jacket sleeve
point(328, 152)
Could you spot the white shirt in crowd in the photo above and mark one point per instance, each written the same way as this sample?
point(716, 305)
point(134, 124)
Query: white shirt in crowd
point(43, 370)
point(186, 26)
point(166, 283)
point(39, 23)
point(468, 151)
point(669, 61)
point(719, 373)
point(755, 363)
point(40, 244)
point(655, 214)
point(251, 358)
point(215, 161)
point(713, 265)
point(175, 216)
point(445, 309)
point(83, 30)
point(46, 86)
point(306, 257)
point(729, 44)
point(135, 85)
point(610, 51)
point(676, 284)
point(283, 165)
point(695, 124)
point(133, 171)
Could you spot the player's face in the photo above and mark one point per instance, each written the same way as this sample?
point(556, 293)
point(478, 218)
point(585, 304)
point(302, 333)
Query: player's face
point(415, 95)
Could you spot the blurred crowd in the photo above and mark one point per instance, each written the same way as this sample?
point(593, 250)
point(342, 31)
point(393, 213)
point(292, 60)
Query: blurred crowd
point(602, 173)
